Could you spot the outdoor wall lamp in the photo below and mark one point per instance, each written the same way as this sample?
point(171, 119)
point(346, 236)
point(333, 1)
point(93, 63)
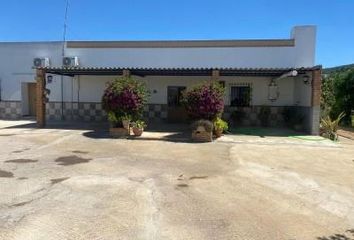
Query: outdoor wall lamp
point(273, 91)
point(46, 91)
point(49, 79)
point(306, 79)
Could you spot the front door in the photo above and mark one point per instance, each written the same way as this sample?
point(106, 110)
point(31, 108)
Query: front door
point(32, 99)
point(175, 111)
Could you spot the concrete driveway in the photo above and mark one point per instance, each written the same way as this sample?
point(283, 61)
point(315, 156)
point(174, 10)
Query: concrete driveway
point(72, 184)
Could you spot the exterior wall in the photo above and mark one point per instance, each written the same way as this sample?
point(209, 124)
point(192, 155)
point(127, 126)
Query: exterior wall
point(16, 62)
point(82, 94)
point(302, 92)
point(300, 55)
point(90, 88)
point(93, 112)
point(10, 109)
point(251, 115)
point(86, 105)
point(305, 45)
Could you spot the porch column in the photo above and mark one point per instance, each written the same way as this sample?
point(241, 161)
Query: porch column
point(40, 101)
point(126, 73)
point(316, 101)
point(215, 75)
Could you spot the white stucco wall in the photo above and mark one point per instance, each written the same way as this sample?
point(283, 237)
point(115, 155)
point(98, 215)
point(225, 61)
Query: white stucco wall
point(16, 60)
point(260, 90)
point(302, 92)
point(301, 55)
point(186, 57)
point(305, 45)
point(92, 87)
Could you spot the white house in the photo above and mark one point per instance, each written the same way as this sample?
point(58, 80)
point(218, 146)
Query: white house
point(268, 72)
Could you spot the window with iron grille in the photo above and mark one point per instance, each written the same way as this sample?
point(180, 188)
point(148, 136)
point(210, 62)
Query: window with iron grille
point(240, 96)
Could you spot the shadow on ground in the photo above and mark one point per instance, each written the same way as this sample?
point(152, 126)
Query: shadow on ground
point(173, 132)
point(265, 132)
point(165, 136)
point(348, 235)
point(66, 125)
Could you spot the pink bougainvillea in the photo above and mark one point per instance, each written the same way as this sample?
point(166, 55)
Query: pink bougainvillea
point(124, 96)
point(205, 101)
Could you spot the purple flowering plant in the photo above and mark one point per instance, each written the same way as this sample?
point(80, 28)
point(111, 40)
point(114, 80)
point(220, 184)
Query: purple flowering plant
point(205, 101)
point(124, 96)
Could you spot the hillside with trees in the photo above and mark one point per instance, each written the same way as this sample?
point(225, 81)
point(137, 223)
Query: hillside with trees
point(338, 92)
point(340, 68)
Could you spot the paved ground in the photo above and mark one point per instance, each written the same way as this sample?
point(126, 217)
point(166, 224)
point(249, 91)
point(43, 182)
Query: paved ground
point(78, 184)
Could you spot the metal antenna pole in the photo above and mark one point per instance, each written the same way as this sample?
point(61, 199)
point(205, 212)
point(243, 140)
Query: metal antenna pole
point(62, 55)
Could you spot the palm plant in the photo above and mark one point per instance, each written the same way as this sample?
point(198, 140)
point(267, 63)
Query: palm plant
point(330, 126)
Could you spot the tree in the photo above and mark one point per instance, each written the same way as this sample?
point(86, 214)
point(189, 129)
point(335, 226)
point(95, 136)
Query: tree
point(344, 94)
point(338, 94)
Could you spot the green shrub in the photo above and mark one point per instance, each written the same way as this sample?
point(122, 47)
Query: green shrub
point(330, 126)
point(220, 124)
point(338, 94)
point(139, 124)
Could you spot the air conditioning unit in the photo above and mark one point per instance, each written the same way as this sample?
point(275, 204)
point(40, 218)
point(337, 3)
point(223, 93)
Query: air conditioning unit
point(70, 61)
point(41, 62)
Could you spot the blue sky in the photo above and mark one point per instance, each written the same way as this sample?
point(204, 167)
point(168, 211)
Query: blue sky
point(36, 20)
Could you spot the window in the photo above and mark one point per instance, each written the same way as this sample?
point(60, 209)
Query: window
point(174, 96)
point(240, 96)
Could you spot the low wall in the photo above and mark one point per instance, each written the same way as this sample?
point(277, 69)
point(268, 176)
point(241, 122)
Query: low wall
point(93, 111)
point(251, 115)
point(158, 113)
point(10, 109)
point(311, 122)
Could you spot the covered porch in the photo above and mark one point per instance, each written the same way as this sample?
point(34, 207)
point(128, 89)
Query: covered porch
point(160, 80)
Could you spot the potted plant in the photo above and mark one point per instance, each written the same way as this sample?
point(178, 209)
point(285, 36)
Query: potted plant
point(202, 131)
point(220, 126)
point(126, 118)
point(124, 99)
point(116, 126)
point(204, 103)
point(138, 127)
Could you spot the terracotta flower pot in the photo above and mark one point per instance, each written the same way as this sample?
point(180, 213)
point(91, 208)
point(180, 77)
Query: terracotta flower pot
point(118, 132)
point(218, 133)
point(126, 123)
point(138, 131)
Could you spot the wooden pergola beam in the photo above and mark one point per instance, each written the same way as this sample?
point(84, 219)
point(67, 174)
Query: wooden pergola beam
point(126, 73)
point(215, 75)
point(316, 87)
point(40, 101)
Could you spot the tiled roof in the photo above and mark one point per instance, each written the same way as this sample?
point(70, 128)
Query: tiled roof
point(71, 71)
